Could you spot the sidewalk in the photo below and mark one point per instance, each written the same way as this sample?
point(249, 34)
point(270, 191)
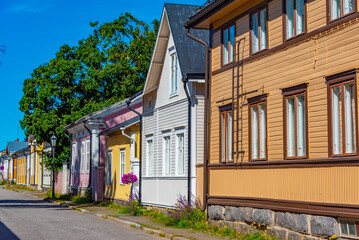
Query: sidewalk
point(144, 223)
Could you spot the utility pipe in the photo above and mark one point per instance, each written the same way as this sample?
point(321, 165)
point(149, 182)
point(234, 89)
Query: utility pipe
point(206, 117)
point(189, 173)
point(131, 139)
point(128, 102)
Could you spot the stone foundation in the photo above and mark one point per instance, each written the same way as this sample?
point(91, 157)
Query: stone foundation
point(284, 225)
point(80, 191)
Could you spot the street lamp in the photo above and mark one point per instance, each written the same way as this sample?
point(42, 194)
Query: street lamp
point(53, 144)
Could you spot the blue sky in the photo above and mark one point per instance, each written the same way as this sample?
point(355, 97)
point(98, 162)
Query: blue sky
point(33, 31)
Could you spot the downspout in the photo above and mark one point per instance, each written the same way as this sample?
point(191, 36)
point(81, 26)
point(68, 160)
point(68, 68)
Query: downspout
point(70, 162)
point(206, 117)
point(90, 174)
point(131, 139)
point(185, 82)
point(128, 102)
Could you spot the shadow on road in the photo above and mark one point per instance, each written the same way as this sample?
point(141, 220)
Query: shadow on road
point(15, 203)
point(5, 233)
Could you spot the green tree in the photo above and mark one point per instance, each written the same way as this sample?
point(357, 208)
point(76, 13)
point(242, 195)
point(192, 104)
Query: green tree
point(108, 66)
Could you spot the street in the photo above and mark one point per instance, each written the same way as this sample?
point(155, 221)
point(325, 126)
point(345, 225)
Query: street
point(27, 218)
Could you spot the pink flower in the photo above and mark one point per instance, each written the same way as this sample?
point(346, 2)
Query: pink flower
point(129, 178)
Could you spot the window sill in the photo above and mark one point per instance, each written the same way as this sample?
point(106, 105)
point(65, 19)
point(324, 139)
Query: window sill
point(258, 52)
point(294, 37)
point(172, 95)
point(341, 17)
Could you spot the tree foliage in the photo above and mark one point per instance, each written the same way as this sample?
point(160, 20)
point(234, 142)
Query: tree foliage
point(108, 66)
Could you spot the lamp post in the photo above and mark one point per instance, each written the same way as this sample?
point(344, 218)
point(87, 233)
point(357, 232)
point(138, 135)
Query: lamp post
point(53, 144)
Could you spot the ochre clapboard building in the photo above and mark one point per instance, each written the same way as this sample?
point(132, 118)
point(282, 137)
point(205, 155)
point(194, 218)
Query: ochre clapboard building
point(282, 111)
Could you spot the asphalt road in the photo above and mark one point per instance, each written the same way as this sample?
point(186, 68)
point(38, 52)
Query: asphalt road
point(27, 218)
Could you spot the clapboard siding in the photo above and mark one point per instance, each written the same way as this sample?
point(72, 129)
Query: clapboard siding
point(200, 130)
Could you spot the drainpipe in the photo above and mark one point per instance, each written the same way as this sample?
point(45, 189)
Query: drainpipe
point(70, 162)
point(90, 174)
point(189, 175)
point(206, 117)
point(128, 102)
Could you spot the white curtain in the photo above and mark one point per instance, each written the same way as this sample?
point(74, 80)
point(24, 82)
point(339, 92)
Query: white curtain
point(167, 153)
point(300, 126)
point(299, 5)
point(88, 155)
point(335, 11)
point(255, 32)
point(231, 42)
point(263, 24)
point(262, 131)
point(254, 132)
point(109, 166)
point(225, 46)
point(122, 164)
point(229, 137)
point(180, 153)
point(223, 138)
point(336, 119)
point(290, 18)
point(349, 118)
point(290, 128)
point(348, 6)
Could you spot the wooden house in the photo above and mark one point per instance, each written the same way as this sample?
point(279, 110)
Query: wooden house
point(173, 111)
point(283, 115)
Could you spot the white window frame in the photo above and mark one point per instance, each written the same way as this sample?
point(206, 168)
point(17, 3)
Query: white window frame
point(149, 170)
point(88, 156)
point(109, 166)
point(78, 160)
point(166, 165)
point(122, 164)
point(180, 132)
point(73, 157)
point(173, 81)
point(82, 163)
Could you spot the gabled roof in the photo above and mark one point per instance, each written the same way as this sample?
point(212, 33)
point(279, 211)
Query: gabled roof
point(191, 54)
point(13, 147)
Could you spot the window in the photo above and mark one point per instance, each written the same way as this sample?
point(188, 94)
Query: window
point(258, 127)
point(226, 116)
point(88, 159)
point(109, 166)
point(122, 164)
point(166, 148)
point(259, 30)
point(342, 110)
point(180, 152)
point(295, 18)
point(295, 122)
point(78, 160)
point(349, 228)
point(82, 155)
point(149, 156)
point(174, 68)
point(340, 8)
point(228, 37)
point(73, 158)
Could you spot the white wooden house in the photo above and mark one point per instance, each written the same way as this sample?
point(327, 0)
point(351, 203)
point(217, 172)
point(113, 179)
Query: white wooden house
point(166, 118)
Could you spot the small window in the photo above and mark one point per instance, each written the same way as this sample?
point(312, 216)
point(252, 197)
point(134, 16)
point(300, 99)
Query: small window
point(295, 17)
point(343, 127)
point(349, 228)
point(109, 167)
point(88, 158)
point(258, 128)
point(73, 158)
point(82, 155)
point(166, 142)
point(340, 8)
point(228, 37)
point(174, 69)
point(226, 134)
point(295, 105)
point(259, 27)
point(149, 156)
point(180, 157)
point(78, 160)
point(122, 164)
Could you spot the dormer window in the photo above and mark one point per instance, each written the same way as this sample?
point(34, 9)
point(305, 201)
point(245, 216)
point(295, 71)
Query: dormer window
point(173, 74)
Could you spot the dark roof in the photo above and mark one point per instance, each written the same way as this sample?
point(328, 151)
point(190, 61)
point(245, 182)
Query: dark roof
point(13, 147)
point(191, 54)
